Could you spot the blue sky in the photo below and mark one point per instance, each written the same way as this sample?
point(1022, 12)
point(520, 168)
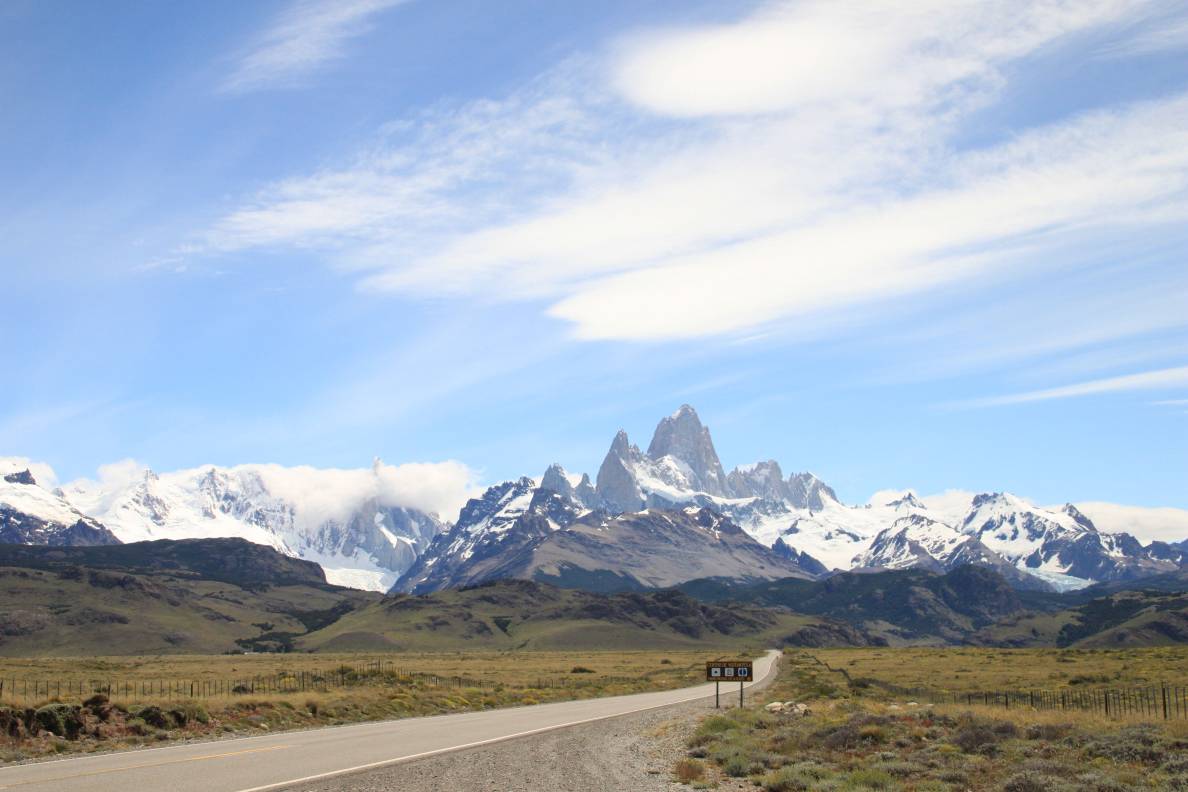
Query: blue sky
point(937, 248)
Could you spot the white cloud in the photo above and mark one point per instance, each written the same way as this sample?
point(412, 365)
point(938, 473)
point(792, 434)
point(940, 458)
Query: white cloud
point(1147, 380)
point(795, 163)
point(322, 494)
point(1160, 33)
point(307, 35)
point(1145, 524)
point(803, 56)
point(317, 494)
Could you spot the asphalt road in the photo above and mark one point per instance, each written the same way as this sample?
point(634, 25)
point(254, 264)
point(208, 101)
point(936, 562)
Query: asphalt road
point(276, 761)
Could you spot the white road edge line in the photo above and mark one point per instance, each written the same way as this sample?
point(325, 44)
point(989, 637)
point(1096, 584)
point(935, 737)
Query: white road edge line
point(452, 748)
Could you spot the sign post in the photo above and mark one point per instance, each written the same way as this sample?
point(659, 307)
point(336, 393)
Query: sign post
point(719, 671)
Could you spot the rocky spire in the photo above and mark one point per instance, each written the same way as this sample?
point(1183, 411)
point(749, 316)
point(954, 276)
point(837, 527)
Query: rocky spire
point(616, 485)
point(760, 480)
point(556, 480)
point(682, 437)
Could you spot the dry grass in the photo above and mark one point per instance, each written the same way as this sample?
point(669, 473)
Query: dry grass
point(689, 770)
point(508, 679)
point(970, 669)
point(859, 738)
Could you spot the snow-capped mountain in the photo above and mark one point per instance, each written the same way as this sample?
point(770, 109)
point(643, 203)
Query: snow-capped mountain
point(336, 518)
point(801, 514)
point(798, 516)
point(548, 532)
point(351, 523)
point(31, 514)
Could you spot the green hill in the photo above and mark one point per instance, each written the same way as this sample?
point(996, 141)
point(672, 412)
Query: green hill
point(910, 606)
point(192, 596)
point(518, 614)
point(1122, 619)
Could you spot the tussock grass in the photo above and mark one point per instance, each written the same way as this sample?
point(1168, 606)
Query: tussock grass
point(856, 738)
point(957, 669)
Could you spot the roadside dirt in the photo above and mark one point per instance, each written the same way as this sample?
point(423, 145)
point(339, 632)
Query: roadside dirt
point(633, 753)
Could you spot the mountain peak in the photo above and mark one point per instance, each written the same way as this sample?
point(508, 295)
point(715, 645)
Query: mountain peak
point(555, 479)
point(809, 492)
point(21, 477)
point(759, 479)
point(908, 499)
point(1079, 518)
point(683, 437)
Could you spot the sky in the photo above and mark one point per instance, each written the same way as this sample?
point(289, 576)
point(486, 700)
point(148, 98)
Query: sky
point(938, 245)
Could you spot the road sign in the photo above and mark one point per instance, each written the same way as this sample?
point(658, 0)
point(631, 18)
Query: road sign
point(728, 670)
point(718, 671)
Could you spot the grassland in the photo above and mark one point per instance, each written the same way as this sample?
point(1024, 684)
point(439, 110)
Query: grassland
point(860, 737)
point(424, 684)
point(963, 670)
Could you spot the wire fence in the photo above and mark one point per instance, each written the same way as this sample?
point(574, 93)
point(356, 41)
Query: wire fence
point(376, 673)
point(1158, 702)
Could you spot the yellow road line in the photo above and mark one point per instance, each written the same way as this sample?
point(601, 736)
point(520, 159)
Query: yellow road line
point(142, 765)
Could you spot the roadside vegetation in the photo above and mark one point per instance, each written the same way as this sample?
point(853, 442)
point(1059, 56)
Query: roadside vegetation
point(862, 737)
point(108, 720)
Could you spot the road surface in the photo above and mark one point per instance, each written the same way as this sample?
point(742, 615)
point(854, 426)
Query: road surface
point(276, 761)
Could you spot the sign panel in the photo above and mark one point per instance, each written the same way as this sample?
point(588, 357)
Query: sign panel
point(728, 670)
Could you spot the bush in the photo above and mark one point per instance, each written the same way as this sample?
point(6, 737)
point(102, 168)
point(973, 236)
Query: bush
point(154, 716)
point(737, 765)
point(62, 720)
point(1131, 744)
point(803, 776)
point(12, 723)
point(871, 779)
point(1048, 731)
point(978, 736)
point(581, 670)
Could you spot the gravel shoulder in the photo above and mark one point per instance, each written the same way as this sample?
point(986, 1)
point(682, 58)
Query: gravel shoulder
point(628, 753)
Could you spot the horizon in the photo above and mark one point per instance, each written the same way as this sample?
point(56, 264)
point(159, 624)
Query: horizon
point(430, 233)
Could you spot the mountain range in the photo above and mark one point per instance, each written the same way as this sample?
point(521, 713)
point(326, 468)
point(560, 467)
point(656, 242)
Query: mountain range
point(648, 519)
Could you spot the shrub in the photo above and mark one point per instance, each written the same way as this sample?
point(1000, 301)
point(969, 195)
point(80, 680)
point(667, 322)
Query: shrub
point(1131, 744)
point(872, 734)
point(978, 736)
point(738, 766)
point(716, 724)
point(138, 726)
point(1048, 731)
point(803, 776)
point(62, 720)
point(581, 670)
point(154, 716)
point(689, 770)
point(871, 779)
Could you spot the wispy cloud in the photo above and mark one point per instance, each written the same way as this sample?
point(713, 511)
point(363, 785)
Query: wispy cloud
point(1147, 380)
point(309, 34)
point(1157, 33)
point(717, 180)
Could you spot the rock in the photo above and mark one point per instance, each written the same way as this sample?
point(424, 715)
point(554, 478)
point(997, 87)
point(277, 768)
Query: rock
point(774, 707)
